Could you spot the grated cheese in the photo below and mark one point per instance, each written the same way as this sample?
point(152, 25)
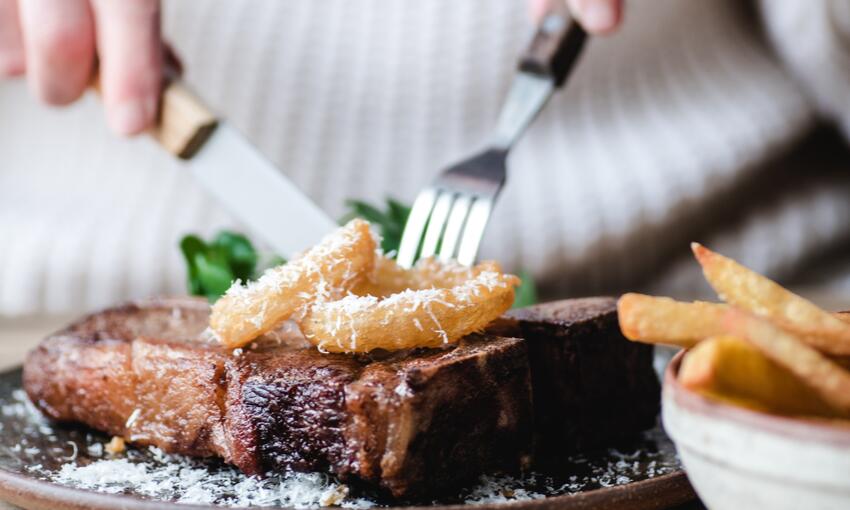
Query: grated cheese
point(153, 474)
point(76, 450)
point(95, 450)
point(132, 418)
point(501, 489)
point(187, 481)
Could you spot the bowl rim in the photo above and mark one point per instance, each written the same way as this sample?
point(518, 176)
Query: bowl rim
point(820, 430)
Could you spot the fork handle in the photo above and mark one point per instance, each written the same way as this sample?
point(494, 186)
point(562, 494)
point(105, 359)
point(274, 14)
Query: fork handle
point(556, 44)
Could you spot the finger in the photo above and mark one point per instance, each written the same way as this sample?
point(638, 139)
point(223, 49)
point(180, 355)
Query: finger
point(58, 40)
point(537, 7)
point(130, 50)
point(11, 44)
point(597, 16)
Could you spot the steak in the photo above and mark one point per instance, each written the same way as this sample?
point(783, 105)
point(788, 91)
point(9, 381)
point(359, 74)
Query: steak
point(413, 423)
point(591, 386)
point(544, 382)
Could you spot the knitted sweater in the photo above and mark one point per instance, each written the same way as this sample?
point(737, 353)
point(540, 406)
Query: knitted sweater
point(365, 98)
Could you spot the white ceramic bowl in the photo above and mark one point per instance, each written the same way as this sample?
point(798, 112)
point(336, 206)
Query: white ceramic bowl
point(741, 459)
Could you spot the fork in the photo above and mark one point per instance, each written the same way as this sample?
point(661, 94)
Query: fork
point(451, 214)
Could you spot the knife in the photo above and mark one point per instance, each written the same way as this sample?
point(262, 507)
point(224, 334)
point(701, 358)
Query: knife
point(237, 174)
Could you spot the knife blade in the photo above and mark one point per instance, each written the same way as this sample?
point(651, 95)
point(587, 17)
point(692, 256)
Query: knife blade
point(237, 174)
point(257, 193)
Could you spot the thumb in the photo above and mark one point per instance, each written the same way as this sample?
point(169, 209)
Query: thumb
point(598, 17)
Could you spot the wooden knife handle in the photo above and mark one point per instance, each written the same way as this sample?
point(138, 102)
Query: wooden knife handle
point(183, 123)
point(556, 44)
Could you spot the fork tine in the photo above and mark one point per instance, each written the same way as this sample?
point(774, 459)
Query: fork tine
point(415, 227)
point(436, 224)
point(454, 227)
point(476, 222)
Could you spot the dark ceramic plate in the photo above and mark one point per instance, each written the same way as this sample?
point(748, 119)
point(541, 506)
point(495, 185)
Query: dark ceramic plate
point(45, 465)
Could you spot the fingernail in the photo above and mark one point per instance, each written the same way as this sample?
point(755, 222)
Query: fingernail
point(132, 116)
point(598, 16)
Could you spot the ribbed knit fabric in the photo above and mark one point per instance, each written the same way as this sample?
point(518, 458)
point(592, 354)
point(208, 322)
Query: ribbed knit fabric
point(368, 98)
point(813, 39)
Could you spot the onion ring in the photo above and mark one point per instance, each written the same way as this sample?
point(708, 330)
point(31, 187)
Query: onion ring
point(431, 305)
point(325, 272)
point(387, 277)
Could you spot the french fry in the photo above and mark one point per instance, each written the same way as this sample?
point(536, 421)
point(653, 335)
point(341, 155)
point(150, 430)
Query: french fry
point(732, 370)
point(825, 377)
point(666, 321)
point(744, 288)
point(663, 320)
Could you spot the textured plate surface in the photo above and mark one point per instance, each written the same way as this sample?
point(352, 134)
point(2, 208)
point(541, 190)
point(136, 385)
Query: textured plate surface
point(46, 465)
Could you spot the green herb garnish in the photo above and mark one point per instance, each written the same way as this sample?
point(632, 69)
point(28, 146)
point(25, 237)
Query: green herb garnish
point(390, 222)
point(213, 266)
point(526, 293)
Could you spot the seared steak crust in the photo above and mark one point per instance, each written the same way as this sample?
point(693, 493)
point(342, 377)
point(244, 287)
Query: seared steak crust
point(413, 423)
point(287, 408)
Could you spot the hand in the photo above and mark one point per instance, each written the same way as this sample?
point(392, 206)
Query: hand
point(598, 17)
point(58, 43)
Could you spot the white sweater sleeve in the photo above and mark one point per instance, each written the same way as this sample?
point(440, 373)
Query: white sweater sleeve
point(812, 38)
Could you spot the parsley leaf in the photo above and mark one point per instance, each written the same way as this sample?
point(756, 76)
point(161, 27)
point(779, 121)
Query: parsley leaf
point(214, 273)
point(390, 222)
point(526, 293)
point(239, 253)
point(213, 266)
point(191, 246)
